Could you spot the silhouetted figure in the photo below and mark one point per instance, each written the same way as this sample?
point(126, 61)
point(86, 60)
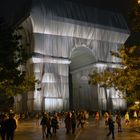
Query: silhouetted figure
point(10, 127)
point(54, 124)
point(43, 124)
point(3, 127)
point(81, 119)
point(68, 123)
point(111, 127)
point(73, 120)
point(48, 124)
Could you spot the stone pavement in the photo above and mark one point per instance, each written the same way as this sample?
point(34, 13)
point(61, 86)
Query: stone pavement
point(28, 130)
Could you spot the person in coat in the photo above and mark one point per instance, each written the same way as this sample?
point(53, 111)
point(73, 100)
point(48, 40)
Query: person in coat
point(3, 126)
point(111, 127)
point(10, 126)
point(54, 124)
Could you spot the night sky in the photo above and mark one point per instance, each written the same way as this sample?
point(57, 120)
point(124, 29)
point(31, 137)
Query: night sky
point(20, 8)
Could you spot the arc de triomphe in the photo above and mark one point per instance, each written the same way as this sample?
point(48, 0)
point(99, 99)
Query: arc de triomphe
point(68, 42)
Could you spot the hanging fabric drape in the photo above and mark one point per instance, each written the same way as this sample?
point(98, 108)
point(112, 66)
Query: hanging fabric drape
point(59, 28)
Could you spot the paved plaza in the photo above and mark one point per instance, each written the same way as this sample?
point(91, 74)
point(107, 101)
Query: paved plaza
point(28, 130)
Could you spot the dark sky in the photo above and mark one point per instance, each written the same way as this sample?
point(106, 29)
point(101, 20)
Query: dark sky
point(114, 5)
point(20, 8)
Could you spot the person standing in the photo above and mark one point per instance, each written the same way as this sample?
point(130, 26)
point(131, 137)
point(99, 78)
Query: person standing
point(48, 124)
point(73, 120)
point(97, 118)
point(68, 122)
point(10, 126)
point(111, 127)
point(135, 115)
point(37, 117)
point(3, 126)
point(43, 123)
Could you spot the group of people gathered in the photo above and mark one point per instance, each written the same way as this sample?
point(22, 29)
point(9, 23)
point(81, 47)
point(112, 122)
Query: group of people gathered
point(7, 126)
point(110, 120)
point(72, 120)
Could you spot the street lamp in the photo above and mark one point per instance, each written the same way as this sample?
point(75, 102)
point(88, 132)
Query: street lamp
point(137, 102)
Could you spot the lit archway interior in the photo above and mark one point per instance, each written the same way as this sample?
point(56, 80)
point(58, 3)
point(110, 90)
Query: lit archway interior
point(82, 95)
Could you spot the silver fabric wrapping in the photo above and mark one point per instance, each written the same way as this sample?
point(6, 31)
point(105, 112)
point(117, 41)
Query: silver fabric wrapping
point(66, 35)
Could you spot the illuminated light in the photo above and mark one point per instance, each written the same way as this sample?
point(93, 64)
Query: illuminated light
point(138, 1)
point(48, 78)
point(98, 65)
point(137, 102)
point(50, 60)
point(37, 99)
point(84, 78)
point(115, 65)
point(53, 103)
point(80, 31)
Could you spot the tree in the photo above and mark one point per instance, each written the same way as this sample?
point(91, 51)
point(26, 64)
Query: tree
point(126, 78)
point(13, 55)
point(132, 16)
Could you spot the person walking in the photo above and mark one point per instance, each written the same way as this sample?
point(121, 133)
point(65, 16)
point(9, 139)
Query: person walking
point(111, 127)
point(54, 123)
point(118, 121)
point(81, 119)
point(106, 115)
point(48, 124)
point(97, 118)
point(126, 118)
point(10, 126)
point(43, 124)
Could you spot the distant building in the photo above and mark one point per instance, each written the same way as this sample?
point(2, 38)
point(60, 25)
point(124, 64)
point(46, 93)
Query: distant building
point(68, 41)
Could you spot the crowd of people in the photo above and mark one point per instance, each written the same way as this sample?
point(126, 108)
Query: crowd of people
point(50, 122)
point(74, 120)
point(71, 119)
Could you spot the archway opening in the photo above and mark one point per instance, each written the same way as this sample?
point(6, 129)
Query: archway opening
point(81, 93)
